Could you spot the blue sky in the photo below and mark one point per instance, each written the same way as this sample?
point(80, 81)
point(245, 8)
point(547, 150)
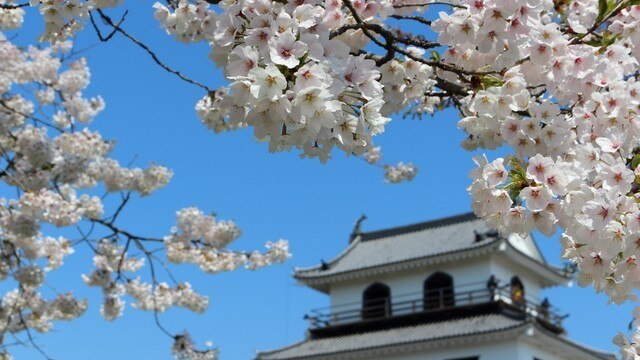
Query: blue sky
point(151, 115)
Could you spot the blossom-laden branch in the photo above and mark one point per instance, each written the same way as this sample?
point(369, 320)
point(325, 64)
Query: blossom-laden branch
point(55, 167)
point(555, 82)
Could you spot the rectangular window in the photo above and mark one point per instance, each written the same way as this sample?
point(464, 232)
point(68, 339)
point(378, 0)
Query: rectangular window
point(467, 358)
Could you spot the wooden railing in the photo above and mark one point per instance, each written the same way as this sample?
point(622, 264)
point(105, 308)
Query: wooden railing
point(436, 300)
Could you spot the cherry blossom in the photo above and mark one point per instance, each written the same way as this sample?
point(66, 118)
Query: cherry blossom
point(56, 164)
point(555, 83)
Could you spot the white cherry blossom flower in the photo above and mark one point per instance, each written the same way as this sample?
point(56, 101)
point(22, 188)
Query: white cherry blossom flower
point(286, 50)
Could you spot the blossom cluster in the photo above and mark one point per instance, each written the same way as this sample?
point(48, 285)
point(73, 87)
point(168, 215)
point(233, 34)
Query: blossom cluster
point(573, 163)
point(201, 240)
point(569, 110)
point(10, 19)
point(297, 84)
point(393, 174)
point(373, 156)
point(56, 165)
point(63, 19)
point(163, 297)
point(215, 112)
point(27, 309)
point(46, 172)
point(400, 173)
point(566, 102)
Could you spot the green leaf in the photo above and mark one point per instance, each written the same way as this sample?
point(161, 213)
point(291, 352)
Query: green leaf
point(517, 179)
point(612, 5)
point(604, 42)
point(491, 81)
point(635, 162)
point(602, 9)
point(47, 166)
point(594, 42)
point(606, 7)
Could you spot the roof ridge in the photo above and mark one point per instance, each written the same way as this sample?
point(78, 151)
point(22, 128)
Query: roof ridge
point(449, 220)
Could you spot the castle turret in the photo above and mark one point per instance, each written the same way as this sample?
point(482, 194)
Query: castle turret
point(450, 288)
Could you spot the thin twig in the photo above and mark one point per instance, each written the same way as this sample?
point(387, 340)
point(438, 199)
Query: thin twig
point(113, 32)
point(153, 55)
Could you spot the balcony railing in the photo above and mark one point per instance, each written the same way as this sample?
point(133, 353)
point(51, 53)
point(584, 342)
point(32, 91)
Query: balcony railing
point(441, 300)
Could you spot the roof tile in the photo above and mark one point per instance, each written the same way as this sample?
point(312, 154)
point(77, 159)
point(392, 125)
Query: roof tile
point(406, 243)
point(395, 336)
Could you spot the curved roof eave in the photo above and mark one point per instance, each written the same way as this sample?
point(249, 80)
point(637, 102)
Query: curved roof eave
point(603, 355)
point(335, 259)
point(317, 281)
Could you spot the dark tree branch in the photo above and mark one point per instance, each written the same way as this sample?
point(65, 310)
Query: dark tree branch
point(12, 6)
point(117, 231)
point(419, 19)
point(392, 47)
point(113, 32)
point(430, 3)
point(451, 88)
point(155, 58)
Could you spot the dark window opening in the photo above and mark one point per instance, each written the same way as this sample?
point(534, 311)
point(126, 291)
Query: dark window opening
point(438, 291)
point(517, 291)
point(376, 301)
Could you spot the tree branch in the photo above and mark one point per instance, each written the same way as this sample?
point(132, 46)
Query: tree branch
point(12, 6)
point(155, 58)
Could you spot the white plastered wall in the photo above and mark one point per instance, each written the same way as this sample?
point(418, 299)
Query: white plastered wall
point(409, 283)
point(498, 350)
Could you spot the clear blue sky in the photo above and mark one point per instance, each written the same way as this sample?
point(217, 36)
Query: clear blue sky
point(151, 114)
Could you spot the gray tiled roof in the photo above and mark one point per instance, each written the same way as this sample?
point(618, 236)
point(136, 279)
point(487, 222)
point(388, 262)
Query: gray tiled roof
point(395, 336)
point(406, 243)
point(424, 333)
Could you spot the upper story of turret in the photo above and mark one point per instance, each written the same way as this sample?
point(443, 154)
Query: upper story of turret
point(445, 289)
point(431, 270)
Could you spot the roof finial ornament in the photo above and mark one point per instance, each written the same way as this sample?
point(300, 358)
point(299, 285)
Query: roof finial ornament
point(357, 228)
point(323, 265)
